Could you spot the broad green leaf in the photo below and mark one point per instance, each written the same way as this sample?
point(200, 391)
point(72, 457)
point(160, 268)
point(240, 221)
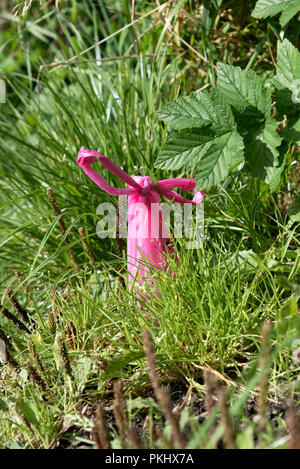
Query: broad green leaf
point(291, 132)
point(261, 152)
point(244, 89)
point(219, 157)
point(283, 99)
point(288, 68)
point(265, 8)
point(214, 154)
point(289, 12)
point(245, 438)
point(275, 174)
point(288, 318)
point(198, 109)
point(27, 410)
point(3, 405)
point(285, 282)
point(183, 149)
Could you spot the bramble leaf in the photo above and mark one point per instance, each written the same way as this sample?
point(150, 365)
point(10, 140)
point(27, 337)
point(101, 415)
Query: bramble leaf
point(288, 68)
point(261, 152)
point(214, 154)
point(265, 8)
point(199, 109)
point(244, 89)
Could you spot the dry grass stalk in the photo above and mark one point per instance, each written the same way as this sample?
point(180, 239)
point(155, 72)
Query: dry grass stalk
point(71, 335)
point(62, 227)
point(228, 436)
point(15, 304)
point(211, 385)
point(292, 419)
point(121, 416)
point(37, 378)
point(263, 369)
point(151, 429)
point(86, 247)
point(35, 357)
point(64, 359)
point(20, 325)
point(21, 281)
point(51, 324)
point(161, 393)
point(101, 433)
point(10, 360)
point(5, 338)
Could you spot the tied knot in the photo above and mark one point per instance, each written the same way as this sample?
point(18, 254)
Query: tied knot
point(145, 190)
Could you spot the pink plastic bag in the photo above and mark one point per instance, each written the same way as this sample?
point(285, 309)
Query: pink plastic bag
point(144, 197)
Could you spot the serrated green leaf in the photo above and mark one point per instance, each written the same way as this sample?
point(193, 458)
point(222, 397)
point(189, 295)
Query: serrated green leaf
point(284, 101)
point(182, 149)
point(288, 68)
point(265, 8)
point(261, 151)
point(199, 109)
point(219, 157)
point(244, 89)
point(289, 12)
point(291, 132)
point(215, 154)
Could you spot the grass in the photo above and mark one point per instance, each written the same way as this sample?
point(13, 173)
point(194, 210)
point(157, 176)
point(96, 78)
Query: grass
point(85, 330)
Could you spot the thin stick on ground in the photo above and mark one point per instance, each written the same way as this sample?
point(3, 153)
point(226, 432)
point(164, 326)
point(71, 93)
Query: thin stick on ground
point(161, 393)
